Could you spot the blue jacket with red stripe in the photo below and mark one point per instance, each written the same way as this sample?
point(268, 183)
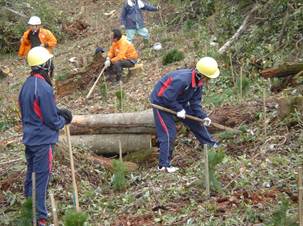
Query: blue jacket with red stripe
point(179, 90)
point(40, 120)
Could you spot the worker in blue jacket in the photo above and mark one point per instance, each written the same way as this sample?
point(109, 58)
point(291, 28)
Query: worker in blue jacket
point(132, 18)
point(181, 91)
point(41, 121)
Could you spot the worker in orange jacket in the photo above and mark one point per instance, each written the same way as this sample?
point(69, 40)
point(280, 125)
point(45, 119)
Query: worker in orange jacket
point(36, 36)
point(122, 54)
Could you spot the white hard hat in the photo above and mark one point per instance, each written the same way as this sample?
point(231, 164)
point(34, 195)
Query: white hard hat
point(34, 20)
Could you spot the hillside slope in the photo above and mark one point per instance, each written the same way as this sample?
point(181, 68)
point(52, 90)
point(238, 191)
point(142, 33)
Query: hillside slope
point(259, 170)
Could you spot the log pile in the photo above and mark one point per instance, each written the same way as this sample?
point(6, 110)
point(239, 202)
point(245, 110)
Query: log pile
point(101, 133)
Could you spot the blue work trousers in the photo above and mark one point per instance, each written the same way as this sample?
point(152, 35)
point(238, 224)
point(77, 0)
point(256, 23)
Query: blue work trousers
point(130, 33)
point(166, 133)
point(39, 160)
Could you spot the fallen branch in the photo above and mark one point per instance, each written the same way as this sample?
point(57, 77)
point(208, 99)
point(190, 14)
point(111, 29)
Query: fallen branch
point(240, 30)
point(11, 161)
point(14, 11)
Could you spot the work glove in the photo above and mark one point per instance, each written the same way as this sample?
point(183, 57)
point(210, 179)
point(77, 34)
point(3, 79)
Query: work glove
point(181, 114)
point(107, 63)
point(66, 114)
point(207, 121)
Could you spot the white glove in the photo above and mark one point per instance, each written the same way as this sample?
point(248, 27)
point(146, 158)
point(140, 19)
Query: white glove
point(107, 63)
point(207, 121)
point(181, 114)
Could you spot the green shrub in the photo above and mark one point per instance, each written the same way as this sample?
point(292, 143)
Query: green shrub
point(103, 89)
point(172, 56)
point(280, 216)
point(119, 177)
point(214, 159)
point(120, 97)
point(26, 214)
point(74, 218)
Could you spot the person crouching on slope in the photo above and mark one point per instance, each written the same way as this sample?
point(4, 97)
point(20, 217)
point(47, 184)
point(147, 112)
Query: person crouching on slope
point(41, 122)
point(122, 54)
point(181, 91)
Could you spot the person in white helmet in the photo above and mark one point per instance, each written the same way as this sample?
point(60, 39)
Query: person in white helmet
point(35, 36)
point(181, 91)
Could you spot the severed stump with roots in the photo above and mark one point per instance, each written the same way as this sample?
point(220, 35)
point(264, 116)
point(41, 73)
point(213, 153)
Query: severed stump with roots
point(80, 80)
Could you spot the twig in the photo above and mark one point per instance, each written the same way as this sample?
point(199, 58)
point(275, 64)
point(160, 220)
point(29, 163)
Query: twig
point(54, 209)
point(34, 198)
point(232, 69)
point(264, 110)
point(14, 11)
point(120, 151)
point(76, 200)
point(121, 96)
point(11, 161)
point(300, 191)
point(283, 30)
point(206, 171)
point(241, 84)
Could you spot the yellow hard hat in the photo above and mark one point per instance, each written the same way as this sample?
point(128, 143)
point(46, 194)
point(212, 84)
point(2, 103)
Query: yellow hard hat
point(38, 56)
point(208, 66)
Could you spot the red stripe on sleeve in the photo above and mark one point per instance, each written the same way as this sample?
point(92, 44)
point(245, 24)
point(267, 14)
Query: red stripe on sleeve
point(165, 85)
point(37, 109)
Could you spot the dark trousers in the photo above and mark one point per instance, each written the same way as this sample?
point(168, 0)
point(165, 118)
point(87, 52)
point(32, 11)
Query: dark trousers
point(39, 160)
point(166, 133)
point(116, 69)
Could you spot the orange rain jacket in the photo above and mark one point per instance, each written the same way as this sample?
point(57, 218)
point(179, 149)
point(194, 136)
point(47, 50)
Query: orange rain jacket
point(45, 36)
point(122, 50)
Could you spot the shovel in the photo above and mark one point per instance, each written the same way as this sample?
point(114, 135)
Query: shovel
point(217, 125)
point(93, 87)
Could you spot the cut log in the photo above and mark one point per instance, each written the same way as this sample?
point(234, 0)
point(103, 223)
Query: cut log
point(143, 122)
point(118, 123)
point(109, 143)
point(284, 70)
point(81, 80)
point(289, 105)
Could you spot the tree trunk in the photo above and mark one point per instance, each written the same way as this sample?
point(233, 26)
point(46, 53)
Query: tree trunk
point(284, 70)
point(118, 123)
point(109, 143)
